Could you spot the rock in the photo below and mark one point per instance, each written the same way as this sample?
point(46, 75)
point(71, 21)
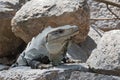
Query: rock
point(75, 52)
point(95, 34)
point(22, 2)
point(8, 8)
point(92, 40)
point(35, 15)
point(8, 41)
point(77, 75)
point(62, 72)
point(100, 11)
point(83, 50)
point(118, 26)
point(106, 57)
point(3, 67)
point(5, 60)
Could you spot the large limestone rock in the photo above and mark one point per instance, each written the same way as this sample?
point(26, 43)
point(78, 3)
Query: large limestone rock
point(62, 72)
point(8, 41)
point(77, 75)
point(35, 15)
point(100, 11)
point(95, 34)
point(106, 58)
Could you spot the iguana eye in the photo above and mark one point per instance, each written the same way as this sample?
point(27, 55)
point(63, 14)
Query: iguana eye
point(61, 31)
point(57, 32)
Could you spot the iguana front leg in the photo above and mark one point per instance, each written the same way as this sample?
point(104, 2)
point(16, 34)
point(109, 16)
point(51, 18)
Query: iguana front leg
point(39, 63)
point(33, 64)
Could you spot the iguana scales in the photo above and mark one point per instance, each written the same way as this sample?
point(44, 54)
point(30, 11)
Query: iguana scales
point(49, 46)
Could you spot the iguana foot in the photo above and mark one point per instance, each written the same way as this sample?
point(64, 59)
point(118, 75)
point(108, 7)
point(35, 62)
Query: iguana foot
point(34, 64)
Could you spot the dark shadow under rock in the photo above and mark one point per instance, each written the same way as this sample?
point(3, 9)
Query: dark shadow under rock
point(82, 51)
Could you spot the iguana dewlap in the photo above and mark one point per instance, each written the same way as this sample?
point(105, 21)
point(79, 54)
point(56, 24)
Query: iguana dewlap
point(48, 46)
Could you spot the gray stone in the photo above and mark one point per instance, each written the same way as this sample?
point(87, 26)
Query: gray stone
point(35, 15)
point(83, 50)
point(62, 72)
point(8, 8)
point(8, 5)
point(95, 34)
point(3, 67)
point(75, 52)
point(106, 58)
point(118, 26)
point(77, 75)
point(100, 11)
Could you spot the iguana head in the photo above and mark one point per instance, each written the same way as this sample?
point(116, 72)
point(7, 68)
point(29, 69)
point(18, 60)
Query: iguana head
point(57, 38)
point(61, 33)
point(57, 41)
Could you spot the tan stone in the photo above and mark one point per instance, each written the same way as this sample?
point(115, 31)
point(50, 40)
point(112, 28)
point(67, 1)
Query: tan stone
point(35, 15)
point(8, 41)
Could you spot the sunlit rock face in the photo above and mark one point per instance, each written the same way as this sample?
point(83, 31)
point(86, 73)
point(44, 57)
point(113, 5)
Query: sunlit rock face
point(105, 19)
point(35, 15)
point(106, 57)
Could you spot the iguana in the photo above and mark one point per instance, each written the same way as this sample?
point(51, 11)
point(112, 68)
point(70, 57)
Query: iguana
point(50, 46)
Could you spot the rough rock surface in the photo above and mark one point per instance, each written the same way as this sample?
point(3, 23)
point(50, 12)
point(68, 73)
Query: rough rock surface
point(118, 26)
point(8, 41)
point(35, 15)
point(106, 58)
point(8, 8)
point(77, 75)
point(83, 50)
point(100, 11)
point(95, 34)
point(3, 67)
point(62, 72)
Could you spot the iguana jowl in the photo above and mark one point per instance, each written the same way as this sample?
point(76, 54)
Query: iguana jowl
point(48, 46)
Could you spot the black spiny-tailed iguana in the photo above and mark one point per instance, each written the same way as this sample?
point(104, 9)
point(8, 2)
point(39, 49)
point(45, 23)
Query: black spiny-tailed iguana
point(49, 46)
